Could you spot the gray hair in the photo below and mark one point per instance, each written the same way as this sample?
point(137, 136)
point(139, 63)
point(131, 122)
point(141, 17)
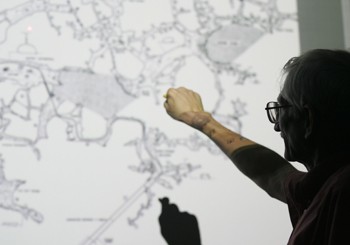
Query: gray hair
point(320, 78)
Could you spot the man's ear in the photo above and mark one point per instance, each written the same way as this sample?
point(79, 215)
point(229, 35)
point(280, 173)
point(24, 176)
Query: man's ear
point(309, 122)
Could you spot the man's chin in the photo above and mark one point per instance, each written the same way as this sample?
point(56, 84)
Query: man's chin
point(289, 156)
point(292, 158)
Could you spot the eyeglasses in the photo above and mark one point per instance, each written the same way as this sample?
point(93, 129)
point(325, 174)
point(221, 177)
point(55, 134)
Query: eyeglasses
point(273, 110)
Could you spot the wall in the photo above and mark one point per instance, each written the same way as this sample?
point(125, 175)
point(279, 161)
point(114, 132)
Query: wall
point(324, 24)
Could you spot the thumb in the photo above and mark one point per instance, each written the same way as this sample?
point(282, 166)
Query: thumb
point(168, 208)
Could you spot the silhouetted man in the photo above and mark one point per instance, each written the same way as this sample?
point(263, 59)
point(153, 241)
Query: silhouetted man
point(312, 114)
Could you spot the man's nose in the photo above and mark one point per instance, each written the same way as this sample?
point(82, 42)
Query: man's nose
point(277, 127)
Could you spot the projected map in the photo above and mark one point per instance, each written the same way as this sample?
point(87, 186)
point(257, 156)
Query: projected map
point(86, 148)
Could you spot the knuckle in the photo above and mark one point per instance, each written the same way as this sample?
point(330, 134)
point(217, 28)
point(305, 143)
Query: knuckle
point(171, 91)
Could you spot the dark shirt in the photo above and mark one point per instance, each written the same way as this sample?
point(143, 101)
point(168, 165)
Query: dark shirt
point(319, 204)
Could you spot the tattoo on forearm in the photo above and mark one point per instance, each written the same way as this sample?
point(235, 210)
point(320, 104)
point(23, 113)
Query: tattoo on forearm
point(230, 141)
point(199, 121)
point(211, 133)
point(233, 140)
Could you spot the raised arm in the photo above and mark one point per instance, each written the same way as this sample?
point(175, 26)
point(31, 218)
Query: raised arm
point(262, 165)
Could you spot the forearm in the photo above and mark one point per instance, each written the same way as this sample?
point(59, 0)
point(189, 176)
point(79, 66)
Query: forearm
point(227, 140)
point(262, 165)
point(265, 167)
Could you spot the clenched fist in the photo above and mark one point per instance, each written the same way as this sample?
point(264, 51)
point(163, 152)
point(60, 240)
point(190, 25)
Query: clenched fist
point(182, 103)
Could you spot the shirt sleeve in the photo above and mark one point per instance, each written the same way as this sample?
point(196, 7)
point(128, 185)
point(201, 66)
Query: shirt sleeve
point(291, 186)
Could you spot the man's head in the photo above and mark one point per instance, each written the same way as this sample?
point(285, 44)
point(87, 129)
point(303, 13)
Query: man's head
point(317, 85)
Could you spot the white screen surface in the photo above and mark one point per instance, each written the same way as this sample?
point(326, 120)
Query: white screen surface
point(86, 146)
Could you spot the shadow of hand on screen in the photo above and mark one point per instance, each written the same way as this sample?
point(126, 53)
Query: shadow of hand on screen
point(178, 228)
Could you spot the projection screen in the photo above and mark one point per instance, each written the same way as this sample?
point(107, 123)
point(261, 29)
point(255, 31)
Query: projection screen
point(86, 147)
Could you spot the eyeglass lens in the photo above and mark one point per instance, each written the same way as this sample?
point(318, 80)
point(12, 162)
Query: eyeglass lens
point(273, 111)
